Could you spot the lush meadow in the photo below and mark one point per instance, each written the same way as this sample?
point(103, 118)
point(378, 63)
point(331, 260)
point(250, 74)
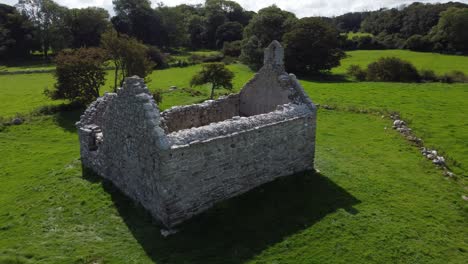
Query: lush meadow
point(375, 199)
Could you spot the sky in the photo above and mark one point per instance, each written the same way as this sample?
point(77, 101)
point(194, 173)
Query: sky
point(301, 8)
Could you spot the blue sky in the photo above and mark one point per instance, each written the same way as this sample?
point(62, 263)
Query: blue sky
point(300, 7)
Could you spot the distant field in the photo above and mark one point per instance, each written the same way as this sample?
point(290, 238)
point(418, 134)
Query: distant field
point(439, 63)
point(351, 35)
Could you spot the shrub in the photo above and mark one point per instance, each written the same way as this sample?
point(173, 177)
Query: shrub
point(232, 49)
point(79, 75)
point(357, 72)
point(453, 77)
point(428, 76)
point(392, 69)
point(157, 96)
point(418, 43)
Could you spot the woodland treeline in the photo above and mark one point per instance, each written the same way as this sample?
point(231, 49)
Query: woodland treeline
point(43, 26)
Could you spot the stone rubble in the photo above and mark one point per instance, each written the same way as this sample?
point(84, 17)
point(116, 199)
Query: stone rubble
point(431, 154)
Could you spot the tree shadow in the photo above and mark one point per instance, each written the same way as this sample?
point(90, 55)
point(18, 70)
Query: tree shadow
point(237, 229)
point(67, 119)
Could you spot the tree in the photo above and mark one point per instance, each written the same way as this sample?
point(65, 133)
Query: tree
point(129, 56)
point(271, 23)
point(49, 20)
point(451, 30)
point(252, 53)
point(87, 26)
point(16, 33)
point(215, 73)
point(174, 30)
point(312, 46)
point(136, 18)
point(79, 75)
point(229, 31)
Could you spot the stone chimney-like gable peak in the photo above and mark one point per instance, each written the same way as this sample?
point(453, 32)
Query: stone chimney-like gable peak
point(274, 54)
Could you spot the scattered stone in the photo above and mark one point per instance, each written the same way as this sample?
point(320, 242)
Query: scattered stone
point(173, 88)
point(464, 197)
point(17, 121)
point(439, 160)
point(449, 174)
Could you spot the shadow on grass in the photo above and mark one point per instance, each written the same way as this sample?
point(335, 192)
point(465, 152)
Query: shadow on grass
point(237, 229)
point(325, 78)
point(67, 119)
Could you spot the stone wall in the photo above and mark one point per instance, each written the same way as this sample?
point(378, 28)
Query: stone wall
point(196, 115)
point(201, 173)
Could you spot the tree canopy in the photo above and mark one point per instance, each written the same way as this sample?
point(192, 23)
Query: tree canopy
point(215, 73)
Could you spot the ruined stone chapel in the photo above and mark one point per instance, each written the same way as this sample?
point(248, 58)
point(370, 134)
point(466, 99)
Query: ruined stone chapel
point(180, 162)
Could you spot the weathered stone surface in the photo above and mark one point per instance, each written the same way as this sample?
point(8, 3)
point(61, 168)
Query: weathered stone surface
point(182, 161)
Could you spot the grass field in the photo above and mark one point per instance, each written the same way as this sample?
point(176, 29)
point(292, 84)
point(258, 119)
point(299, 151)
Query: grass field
point(375, 200)
point(351, 35)
point(439, 63)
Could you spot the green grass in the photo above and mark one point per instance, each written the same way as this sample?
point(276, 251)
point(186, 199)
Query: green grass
point(377, 204)
point(351, 35)
point(436, 111)
point(375, 200)
point(439, 63)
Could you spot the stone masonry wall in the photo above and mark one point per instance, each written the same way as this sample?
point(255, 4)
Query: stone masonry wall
point(196, 115)
point(202, 173)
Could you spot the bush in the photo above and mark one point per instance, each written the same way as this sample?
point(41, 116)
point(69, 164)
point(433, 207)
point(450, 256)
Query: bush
point(232, 49)
point(453, 77)
point(428, 76)
point(357, 72)
point(157, 96)
point(392, 69)
point(252, 53)
point(418, 43)
point(196, 59)
point(79, 74)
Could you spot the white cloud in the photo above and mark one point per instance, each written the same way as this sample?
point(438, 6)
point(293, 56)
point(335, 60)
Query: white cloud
point(300, 7)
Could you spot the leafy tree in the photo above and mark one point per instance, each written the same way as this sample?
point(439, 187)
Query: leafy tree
point(196, 31)
point(129, 56)
point(312, 46)
point(174, 29)
point(215, 73)
point(252, 53)
point(16, 33)
point(271, 23)
point(49, 20)
point(418, 43)
point(79, 74)
point(451, 30)
point(349, 22)
point(136, 18)
point(229, 31)
point(87, 26)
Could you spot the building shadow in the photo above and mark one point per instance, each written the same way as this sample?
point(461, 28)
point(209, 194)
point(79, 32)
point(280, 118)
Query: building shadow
point(237, 229)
